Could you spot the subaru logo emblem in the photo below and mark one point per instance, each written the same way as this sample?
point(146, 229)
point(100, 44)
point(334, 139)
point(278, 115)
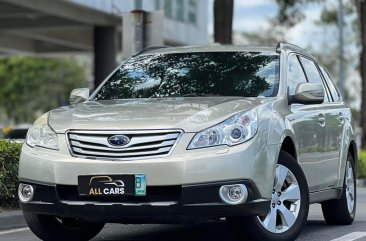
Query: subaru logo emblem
point(119, 140)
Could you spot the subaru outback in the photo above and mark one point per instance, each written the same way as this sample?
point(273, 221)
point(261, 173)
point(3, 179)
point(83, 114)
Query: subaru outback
point(250, 135)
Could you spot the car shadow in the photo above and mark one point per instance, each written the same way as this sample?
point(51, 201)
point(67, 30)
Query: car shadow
point(210, 231)
point(318, 230)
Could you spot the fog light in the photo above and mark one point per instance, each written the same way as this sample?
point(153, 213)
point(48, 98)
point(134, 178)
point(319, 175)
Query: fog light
point(25, 192)
point(234, 194)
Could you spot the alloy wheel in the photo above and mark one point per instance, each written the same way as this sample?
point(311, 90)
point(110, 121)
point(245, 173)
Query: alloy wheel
point(285, 204)
point(350, 187)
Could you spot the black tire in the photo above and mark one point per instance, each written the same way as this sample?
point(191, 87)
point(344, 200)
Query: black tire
point(50, 228)
point(335, 211)
point(250, 228)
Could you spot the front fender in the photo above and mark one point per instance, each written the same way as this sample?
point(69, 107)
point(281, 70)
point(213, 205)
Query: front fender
point(280, 128)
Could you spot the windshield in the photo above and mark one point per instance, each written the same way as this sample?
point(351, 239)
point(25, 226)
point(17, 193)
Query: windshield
point(194, 74)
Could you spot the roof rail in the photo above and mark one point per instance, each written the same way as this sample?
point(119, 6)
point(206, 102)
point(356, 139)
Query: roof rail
point(282, 44)
point(148, 49)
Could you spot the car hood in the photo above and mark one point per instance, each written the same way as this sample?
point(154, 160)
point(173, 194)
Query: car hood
point(192, 114)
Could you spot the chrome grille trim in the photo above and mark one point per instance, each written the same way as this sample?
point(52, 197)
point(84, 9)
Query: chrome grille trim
point(144, 144)
point(120, 154)
point(81, 145)
point(102, 139)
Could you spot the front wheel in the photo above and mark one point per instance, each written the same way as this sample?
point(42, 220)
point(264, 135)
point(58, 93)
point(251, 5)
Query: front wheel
point(289, 207)
point(51, 228)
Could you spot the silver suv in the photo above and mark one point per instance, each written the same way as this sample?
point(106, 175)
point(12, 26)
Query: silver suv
point(251, 134)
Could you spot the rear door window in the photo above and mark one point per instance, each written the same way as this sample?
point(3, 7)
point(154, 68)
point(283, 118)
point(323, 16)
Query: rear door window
point(332, 88)
point(327, 97)
point(314, 76)
point(311, 71)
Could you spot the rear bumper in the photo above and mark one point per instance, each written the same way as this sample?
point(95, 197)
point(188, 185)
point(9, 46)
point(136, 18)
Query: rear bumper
point(161, 205)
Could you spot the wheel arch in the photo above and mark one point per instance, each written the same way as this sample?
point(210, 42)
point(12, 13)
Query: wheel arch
point(288, 145)
point(352, 149)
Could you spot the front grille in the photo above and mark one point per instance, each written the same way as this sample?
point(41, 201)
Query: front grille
point(142, 145)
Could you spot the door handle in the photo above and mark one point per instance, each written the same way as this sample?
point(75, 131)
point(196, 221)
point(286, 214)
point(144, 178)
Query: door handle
point(341, 117)
point(321, 120)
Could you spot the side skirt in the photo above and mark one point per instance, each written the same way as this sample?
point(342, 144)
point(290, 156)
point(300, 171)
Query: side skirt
point(324, 195)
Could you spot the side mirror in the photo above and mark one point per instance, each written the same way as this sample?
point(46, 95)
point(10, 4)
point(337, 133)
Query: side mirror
point(79, 95)
point(308, 93)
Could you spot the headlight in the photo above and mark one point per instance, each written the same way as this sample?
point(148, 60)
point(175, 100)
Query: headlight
point(41, 134)
point(235, 130)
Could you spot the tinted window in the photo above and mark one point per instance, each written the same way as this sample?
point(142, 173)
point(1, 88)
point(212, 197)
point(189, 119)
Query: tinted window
point(311, 71)
point(332, 88)
point(168, 8)
point(295, 74)
point(180, 10)
point(192, 11)
point(194, 74)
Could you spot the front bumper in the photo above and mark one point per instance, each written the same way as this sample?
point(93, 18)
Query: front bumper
point(163, 204)
point(252, 160)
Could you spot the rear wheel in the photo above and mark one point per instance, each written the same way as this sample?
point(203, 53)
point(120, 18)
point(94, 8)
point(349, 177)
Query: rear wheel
point(51, 228)
point(289, 207)
point(342, 211)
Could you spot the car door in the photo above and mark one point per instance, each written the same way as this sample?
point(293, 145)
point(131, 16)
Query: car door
point(309, 124)
point(326, 166)
point(335, 118)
